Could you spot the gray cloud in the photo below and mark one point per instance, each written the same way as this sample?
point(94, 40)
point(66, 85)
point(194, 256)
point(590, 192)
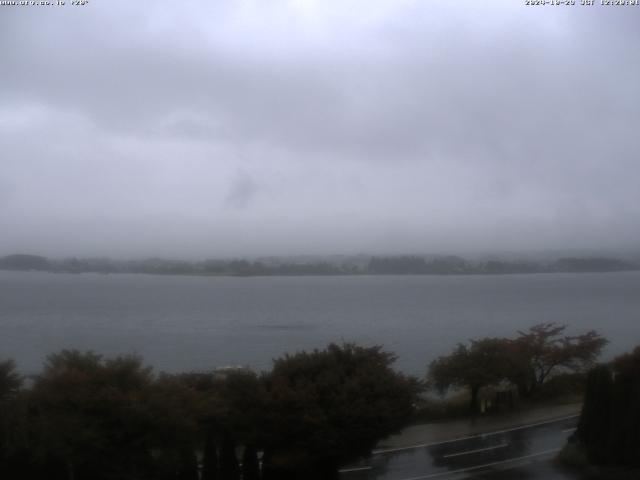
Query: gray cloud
point(325, 126)
point(243, 190)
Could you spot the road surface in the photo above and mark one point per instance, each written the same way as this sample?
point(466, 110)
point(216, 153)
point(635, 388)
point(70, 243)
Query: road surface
point(518, 452)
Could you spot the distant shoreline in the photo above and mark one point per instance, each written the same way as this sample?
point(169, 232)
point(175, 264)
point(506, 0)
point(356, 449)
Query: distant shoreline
point(365, 274)
point(343, 266)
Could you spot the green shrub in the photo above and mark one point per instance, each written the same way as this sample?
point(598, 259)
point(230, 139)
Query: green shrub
point(573, 456)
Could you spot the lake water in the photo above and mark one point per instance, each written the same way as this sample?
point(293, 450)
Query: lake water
point(194, 323)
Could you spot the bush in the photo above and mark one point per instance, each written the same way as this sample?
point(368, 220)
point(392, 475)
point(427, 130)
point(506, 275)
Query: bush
point(432, 409)
point(573, 456)
point(562, 386)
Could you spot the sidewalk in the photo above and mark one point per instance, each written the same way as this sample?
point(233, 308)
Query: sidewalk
point(449, 430)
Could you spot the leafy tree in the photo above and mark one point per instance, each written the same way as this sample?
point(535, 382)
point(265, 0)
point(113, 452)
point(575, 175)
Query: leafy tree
point(210, 459)
point(609, 426)
point(61, 397)
point(543, 350)
point(250, 464)
point(230, 407)
point(625, 434)
point(188, 469)
point(10, 416)
point(229, 467)
point(331, 406)
point(595, 419)
point(478, 365)
point(88, 411)
point(172, 413)
point(10, 380)
point(239, 400)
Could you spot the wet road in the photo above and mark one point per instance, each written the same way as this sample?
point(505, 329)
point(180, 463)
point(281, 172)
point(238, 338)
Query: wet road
point(521, 452)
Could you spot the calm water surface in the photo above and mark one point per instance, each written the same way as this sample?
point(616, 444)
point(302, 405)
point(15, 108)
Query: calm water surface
point(194, 323)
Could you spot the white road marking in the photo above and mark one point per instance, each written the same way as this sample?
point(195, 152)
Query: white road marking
point(478, 435)
point(355, 469)
point(486, 465)
point(477, 450)
point(566, 430)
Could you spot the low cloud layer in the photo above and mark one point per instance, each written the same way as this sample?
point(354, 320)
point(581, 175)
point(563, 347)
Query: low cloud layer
point(248, 128)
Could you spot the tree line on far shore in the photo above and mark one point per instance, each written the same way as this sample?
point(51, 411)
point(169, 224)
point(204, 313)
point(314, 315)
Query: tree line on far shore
point(355, 265)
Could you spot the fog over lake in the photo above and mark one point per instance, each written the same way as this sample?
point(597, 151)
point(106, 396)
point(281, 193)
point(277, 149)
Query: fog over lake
point(197, 323)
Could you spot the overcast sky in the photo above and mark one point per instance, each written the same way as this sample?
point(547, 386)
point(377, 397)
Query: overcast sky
point(222, 128)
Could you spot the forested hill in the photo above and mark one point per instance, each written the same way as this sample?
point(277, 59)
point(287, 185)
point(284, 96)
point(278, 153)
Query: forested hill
point(344, 265)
